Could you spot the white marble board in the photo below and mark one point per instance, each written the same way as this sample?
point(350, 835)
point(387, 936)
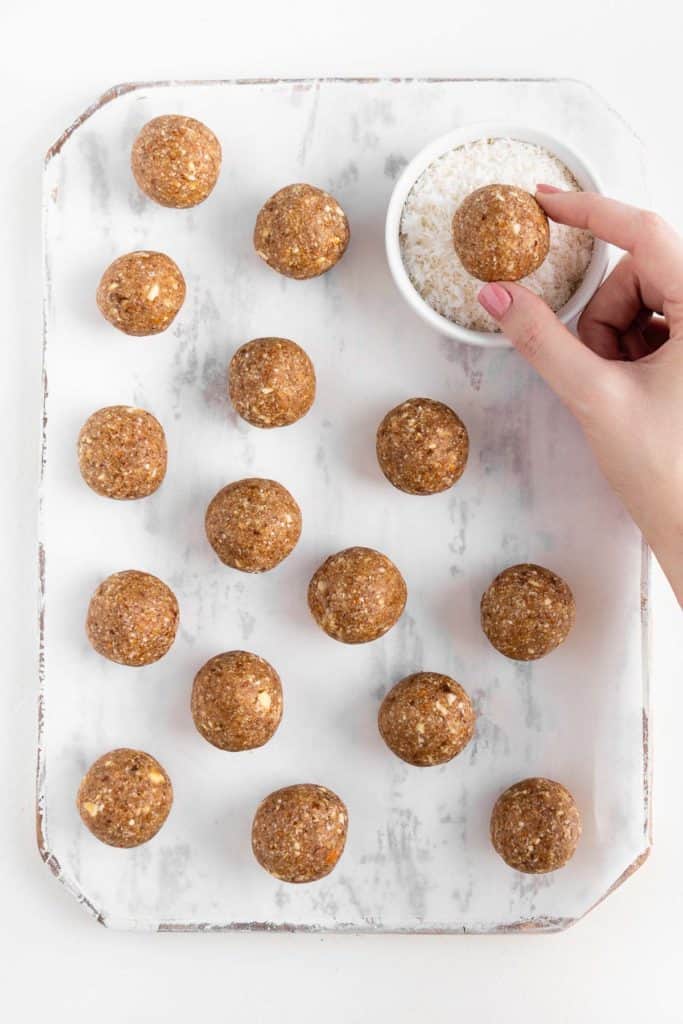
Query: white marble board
point(418, 856)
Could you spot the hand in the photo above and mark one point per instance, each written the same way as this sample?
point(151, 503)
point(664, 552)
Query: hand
point(623, 380)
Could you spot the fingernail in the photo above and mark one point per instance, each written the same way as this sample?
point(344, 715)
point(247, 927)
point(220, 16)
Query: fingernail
point(495, 299)
point(548, 188)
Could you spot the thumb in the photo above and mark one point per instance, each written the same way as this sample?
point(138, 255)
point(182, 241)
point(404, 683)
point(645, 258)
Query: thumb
point(561, 359)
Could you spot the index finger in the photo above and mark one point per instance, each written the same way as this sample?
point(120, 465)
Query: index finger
point(656, 248)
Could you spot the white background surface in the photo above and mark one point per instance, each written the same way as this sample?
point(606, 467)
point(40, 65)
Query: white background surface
point(623, 962)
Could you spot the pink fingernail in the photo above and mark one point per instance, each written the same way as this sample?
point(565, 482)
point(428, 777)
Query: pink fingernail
point(548, 188)
point(495, 299)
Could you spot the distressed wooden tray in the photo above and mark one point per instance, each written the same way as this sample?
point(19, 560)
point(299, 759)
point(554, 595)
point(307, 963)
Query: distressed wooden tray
point(418, 857)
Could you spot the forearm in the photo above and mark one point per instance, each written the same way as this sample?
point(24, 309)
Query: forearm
point(667, 546)
point(646, 473)
point(655, 500)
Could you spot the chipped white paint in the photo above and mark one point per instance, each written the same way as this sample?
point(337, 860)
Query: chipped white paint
point(418, 856)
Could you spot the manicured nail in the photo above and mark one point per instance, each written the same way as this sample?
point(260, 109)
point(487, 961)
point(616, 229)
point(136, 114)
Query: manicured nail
point(495, 300)
point(548, 188)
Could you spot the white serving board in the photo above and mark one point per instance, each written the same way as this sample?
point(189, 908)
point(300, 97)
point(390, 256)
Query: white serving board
point(418, 856)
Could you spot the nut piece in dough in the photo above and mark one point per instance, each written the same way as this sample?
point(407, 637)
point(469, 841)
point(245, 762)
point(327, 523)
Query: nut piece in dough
point(357, 595)
point(422, 446)
point(237, 701)
point(141, 293)
point(132, 618)
point(426, 719)
point(301, 231)
point(271, 382)
point(253, 524)
point(122, 452)
point(527, 612)
point(299, 832)
point(176, 160)
point(535, 826)
point(125, 797)
point(500, 233)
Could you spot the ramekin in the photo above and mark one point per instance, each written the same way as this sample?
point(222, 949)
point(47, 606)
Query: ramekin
point(585, 176)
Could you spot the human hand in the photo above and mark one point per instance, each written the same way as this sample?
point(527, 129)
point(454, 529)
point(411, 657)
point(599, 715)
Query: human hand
point(623, 380)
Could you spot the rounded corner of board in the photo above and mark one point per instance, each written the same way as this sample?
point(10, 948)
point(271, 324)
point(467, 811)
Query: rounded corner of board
point(113, 93)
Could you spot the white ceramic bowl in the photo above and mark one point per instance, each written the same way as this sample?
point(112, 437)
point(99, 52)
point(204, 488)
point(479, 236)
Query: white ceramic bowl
point(585, 176)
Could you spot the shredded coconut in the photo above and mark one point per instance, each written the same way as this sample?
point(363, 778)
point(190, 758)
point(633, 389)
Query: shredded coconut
point(426, 236)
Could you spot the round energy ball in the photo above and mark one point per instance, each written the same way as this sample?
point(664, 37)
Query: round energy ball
point(122, 452)
point(141, 293)
point(426, 719)
point(500, 233)
point(527, 612)
point(301, 231)
point(176, 160)
point(271, 382)
point(132, 618)
point(299, 832)
point(237, 701)
point(535, 826)
point(125, 797)
point(253, 524)
point(422, 446)
point(357, 595)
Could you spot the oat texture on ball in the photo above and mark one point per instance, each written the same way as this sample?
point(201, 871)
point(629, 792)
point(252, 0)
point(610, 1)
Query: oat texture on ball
point(132, 618)
point(301, 231)
point(125, 797)
point(271, 382)
point(253, 524)
point(237, 701)
point(536, 826)
point(299, 832)
point(176, 160)
point(122, 452)
point(141, 293)
point(422, 446)
point(500, 233)
point(426, 719)
point(357, 595)
point(527, 612)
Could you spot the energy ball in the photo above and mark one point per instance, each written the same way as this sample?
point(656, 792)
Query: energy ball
point(125, 797)
point(422, 446)
point(500, 233)
point(357, 595)
point(132, 618)
point(535, 826)
point(141, 293)
point(176, 160)
point(426, 719)
point(527, 612)
point(253, 524)
point(299, 832)
point(122, 452)
point(237, 701)
point(301, 231)
point(271, 382)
